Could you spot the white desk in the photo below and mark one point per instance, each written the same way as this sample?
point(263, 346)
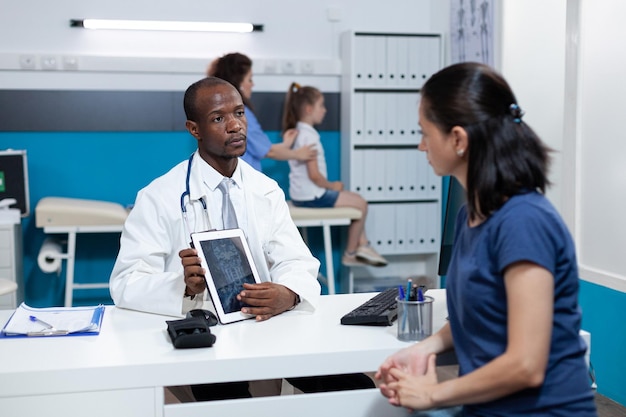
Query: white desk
point(122, 371)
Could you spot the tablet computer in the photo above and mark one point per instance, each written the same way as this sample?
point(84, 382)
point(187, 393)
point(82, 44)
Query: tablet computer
point(226, 258)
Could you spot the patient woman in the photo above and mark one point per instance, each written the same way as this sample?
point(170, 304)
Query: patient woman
point(512, 283)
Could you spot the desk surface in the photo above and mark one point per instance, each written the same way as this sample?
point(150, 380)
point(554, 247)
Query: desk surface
point(133, 350)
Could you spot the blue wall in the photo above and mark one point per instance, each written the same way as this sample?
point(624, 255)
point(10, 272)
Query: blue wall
point(110, 167)
point(603, 316)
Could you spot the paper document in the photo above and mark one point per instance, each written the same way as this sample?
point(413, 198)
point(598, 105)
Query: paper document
point(54, 321)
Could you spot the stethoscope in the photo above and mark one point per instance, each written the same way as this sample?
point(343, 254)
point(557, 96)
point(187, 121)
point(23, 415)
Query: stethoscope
point(183, 206)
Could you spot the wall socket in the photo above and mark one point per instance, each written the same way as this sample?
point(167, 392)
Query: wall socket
point(307, 67)
point(270, 67)
point(49, 62)
point(70, 63)
point(288, 67)
point(28, 62)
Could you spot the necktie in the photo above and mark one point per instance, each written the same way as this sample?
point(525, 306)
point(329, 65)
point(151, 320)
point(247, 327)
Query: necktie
point(229, 217)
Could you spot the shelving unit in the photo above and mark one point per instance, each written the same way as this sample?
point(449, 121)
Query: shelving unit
point(382, 74)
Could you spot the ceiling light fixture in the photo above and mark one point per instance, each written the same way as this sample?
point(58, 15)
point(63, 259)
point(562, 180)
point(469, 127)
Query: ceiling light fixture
point(165, 25)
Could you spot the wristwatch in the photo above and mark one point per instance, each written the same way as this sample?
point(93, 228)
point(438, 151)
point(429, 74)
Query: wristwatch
point(296, 302)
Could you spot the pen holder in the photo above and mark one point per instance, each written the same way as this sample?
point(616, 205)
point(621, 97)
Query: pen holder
point(415, 319)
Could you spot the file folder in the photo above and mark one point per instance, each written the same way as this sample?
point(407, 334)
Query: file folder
point(54, 321)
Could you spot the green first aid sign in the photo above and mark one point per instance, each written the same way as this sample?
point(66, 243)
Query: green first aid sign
point(2, 183)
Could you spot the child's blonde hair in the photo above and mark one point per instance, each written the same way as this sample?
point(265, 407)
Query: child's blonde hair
point(297, 97)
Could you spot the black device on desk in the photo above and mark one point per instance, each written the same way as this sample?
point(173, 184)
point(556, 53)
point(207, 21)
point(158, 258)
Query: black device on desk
point(380, 310)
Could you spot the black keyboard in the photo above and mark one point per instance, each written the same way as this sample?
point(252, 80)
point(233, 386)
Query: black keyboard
point(380, 310)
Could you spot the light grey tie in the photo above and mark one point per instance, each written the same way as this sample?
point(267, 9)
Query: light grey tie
point(229, 217)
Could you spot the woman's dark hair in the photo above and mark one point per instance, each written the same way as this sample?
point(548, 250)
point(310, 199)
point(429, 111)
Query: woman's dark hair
point(232, 68)
point(505, 156)
point(295, 100)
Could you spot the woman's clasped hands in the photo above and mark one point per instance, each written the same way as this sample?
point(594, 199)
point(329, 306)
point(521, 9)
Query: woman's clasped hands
point(408, 378)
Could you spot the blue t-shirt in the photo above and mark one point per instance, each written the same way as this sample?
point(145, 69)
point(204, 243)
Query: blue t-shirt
point(258, 143)
point(525, 228)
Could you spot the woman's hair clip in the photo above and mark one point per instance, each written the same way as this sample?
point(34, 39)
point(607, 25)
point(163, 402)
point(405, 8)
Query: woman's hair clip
point(295, 87)
point(516, 112)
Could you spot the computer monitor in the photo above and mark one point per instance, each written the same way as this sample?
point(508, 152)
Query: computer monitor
point(14, 179)
point(455, 199)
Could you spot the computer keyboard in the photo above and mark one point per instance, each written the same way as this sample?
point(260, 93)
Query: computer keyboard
point(380, 310)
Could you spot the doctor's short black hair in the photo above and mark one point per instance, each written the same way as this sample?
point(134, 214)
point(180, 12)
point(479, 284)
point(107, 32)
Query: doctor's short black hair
point(189, 101)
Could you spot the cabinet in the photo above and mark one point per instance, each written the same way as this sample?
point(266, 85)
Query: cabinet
point(382, 74)
point(11, 262)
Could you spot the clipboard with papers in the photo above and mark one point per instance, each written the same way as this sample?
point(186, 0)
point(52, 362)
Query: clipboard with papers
point(54, 321)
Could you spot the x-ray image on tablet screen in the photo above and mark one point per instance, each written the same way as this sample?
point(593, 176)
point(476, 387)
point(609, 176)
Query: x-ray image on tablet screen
point(226, 257)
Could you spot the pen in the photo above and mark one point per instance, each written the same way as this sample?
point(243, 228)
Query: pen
point(409, 283)
point(400, 293)
point(37, 320)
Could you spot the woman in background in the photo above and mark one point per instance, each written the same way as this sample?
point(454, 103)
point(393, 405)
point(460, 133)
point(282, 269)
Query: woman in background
point(236, 68)
point(512, 283)
point(308, 181)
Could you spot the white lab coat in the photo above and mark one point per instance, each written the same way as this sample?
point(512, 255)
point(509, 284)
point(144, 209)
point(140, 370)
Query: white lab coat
point(148, 274)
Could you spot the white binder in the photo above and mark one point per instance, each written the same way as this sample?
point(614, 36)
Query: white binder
point(358, 117)
point(379, 51)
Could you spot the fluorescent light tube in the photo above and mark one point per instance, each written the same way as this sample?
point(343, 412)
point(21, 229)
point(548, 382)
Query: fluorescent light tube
point(165, 25)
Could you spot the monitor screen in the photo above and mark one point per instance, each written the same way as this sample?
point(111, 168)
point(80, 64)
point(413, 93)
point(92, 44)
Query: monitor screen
point(14, 179)
point(454, 201)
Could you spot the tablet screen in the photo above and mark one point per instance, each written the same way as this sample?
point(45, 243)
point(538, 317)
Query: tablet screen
point(228, 263)
point(229, 269)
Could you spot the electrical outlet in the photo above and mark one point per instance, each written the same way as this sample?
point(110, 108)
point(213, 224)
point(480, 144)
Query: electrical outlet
point(307, 67)
point(28, 62)
point(48, 62)
point(333, 14)
point(289, 67)
point(270, 67)
point(70, 63)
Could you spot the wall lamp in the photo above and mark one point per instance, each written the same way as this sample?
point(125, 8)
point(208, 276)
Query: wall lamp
point(165, 25)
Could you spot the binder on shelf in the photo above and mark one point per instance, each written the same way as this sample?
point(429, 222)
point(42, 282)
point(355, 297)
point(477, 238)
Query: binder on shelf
point(401, 170)
point(380, 60)
point(370, 122)
point(413, 218)
point(357, 179)
point(380, 118)
point(393, 61)
point(403, 220)
point(54, 321)
point(360, 60)
point(429, 54)
point(359, 117)
point(402, 61)
point(368, 44)
point(389, 174)
point(418, 74)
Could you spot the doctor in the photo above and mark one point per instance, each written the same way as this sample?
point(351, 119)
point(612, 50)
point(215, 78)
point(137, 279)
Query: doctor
point(148, 274)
